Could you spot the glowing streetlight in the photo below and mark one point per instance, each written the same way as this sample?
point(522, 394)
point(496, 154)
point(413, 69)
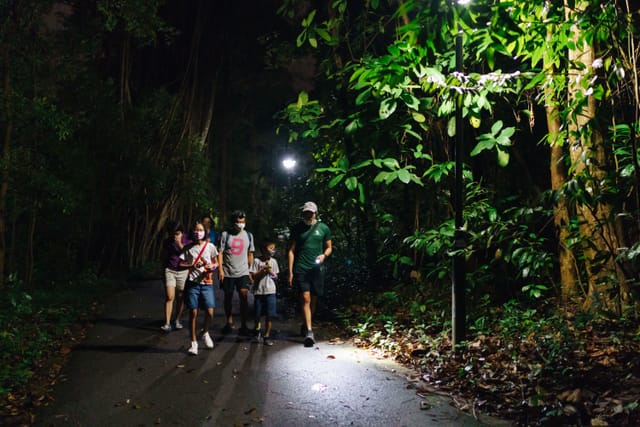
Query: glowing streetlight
point(289, 164)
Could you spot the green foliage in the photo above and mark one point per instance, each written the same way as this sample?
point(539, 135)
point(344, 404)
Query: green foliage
point(140, 18)
point(35, 324)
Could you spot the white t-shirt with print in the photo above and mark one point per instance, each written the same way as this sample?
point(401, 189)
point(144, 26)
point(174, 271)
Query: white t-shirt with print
point(196, 274)
point(266, 285)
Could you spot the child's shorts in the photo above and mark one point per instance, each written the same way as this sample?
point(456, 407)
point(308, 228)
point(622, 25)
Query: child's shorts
point(199, 295)
point(265, 305)
point(175, 278)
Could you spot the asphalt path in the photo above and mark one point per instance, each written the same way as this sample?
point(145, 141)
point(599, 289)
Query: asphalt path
point(127, 372)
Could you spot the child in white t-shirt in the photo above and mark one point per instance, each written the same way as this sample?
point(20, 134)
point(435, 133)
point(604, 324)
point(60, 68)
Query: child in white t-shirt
point(201, 259)
point(264, 273)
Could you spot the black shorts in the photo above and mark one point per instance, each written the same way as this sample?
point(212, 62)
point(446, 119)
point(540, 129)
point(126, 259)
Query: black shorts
point(237, 283)
point(310, 281)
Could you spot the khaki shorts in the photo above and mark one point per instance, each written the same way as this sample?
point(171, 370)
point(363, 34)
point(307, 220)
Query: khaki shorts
point(175, 278)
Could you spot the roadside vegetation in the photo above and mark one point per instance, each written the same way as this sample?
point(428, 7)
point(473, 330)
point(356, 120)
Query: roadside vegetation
point(39, 329)
point(528, 365)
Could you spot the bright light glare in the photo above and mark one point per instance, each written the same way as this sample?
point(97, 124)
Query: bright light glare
point(464, 2)
point(289, 163)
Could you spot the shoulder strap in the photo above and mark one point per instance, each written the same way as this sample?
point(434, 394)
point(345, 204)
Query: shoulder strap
point(309, 233)
point(200, 254)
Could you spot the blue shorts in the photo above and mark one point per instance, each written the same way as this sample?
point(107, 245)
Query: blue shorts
point(265, 305)
point(310, 281)
point(237, 283)
point(199, 295)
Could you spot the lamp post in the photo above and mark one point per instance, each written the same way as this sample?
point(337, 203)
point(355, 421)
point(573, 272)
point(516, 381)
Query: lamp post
point(458, 309)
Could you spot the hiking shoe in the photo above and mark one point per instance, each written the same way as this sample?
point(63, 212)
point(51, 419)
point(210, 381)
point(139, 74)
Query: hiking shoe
point(268, 341)
point(179, 325)
point(258, 338)
point(227, 329)
point(194, 348)
point(207, 340)
point(243, 331)
point(166, 327)
point(308, 340)
point(303, 330)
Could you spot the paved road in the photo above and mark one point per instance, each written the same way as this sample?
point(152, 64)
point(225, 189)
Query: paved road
point(128, 373)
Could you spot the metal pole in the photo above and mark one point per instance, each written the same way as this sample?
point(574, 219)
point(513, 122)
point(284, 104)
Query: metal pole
point(458, 312)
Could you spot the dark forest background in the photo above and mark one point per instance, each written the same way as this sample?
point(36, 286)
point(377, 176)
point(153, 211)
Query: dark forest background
point(119, 116)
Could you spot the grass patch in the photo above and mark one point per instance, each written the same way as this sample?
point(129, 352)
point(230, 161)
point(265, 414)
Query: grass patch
point(38, 328)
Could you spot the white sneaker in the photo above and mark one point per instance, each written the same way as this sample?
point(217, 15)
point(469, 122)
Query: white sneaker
point(194, 348)
point(207, 340)
point(166, 327)
point(179, 325)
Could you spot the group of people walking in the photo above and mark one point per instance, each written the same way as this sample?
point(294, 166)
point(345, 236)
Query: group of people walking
point(197, 260)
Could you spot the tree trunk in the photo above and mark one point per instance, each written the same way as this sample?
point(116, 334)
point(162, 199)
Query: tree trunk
point(6, 148)
point(589, 157)
point(569, 276)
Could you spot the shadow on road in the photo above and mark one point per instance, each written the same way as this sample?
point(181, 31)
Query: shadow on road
point(127, 372)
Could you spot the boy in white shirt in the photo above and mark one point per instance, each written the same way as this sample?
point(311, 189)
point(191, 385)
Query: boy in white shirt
point(264, 273)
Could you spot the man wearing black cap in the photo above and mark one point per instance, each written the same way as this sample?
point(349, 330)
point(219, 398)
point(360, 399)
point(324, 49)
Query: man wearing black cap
point(309, 247)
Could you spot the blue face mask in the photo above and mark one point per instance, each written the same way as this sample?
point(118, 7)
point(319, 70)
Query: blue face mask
point(271, 252)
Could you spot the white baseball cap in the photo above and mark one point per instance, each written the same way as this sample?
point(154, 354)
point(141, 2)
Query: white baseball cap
point(310, 206)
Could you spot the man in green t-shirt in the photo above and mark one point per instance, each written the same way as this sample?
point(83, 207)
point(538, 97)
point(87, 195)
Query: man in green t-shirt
point(309, 247)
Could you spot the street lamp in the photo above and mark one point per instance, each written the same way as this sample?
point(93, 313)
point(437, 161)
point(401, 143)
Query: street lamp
point(289, 164)
point(458, 310)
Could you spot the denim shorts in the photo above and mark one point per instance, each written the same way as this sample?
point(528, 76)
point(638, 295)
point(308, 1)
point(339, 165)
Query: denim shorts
point(199, 295)
point(265, 305)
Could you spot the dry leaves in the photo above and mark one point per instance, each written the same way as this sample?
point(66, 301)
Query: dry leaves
point(522, 379)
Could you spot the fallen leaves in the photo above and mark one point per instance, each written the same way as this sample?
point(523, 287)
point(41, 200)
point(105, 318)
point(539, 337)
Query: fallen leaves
point(580, 376)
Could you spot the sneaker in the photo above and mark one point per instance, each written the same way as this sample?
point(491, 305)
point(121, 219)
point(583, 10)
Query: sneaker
point(207, 340)
point(258, 338)
point(268, 341)
point(308, 340)
point(179, 325)
point(166, 327)
point(227, 329)
point(194, 348)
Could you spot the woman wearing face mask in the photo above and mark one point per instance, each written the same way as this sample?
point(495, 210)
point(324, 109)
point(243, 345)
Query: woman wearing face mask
point(201, 259)
point(309, 248)
point(236, 256)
